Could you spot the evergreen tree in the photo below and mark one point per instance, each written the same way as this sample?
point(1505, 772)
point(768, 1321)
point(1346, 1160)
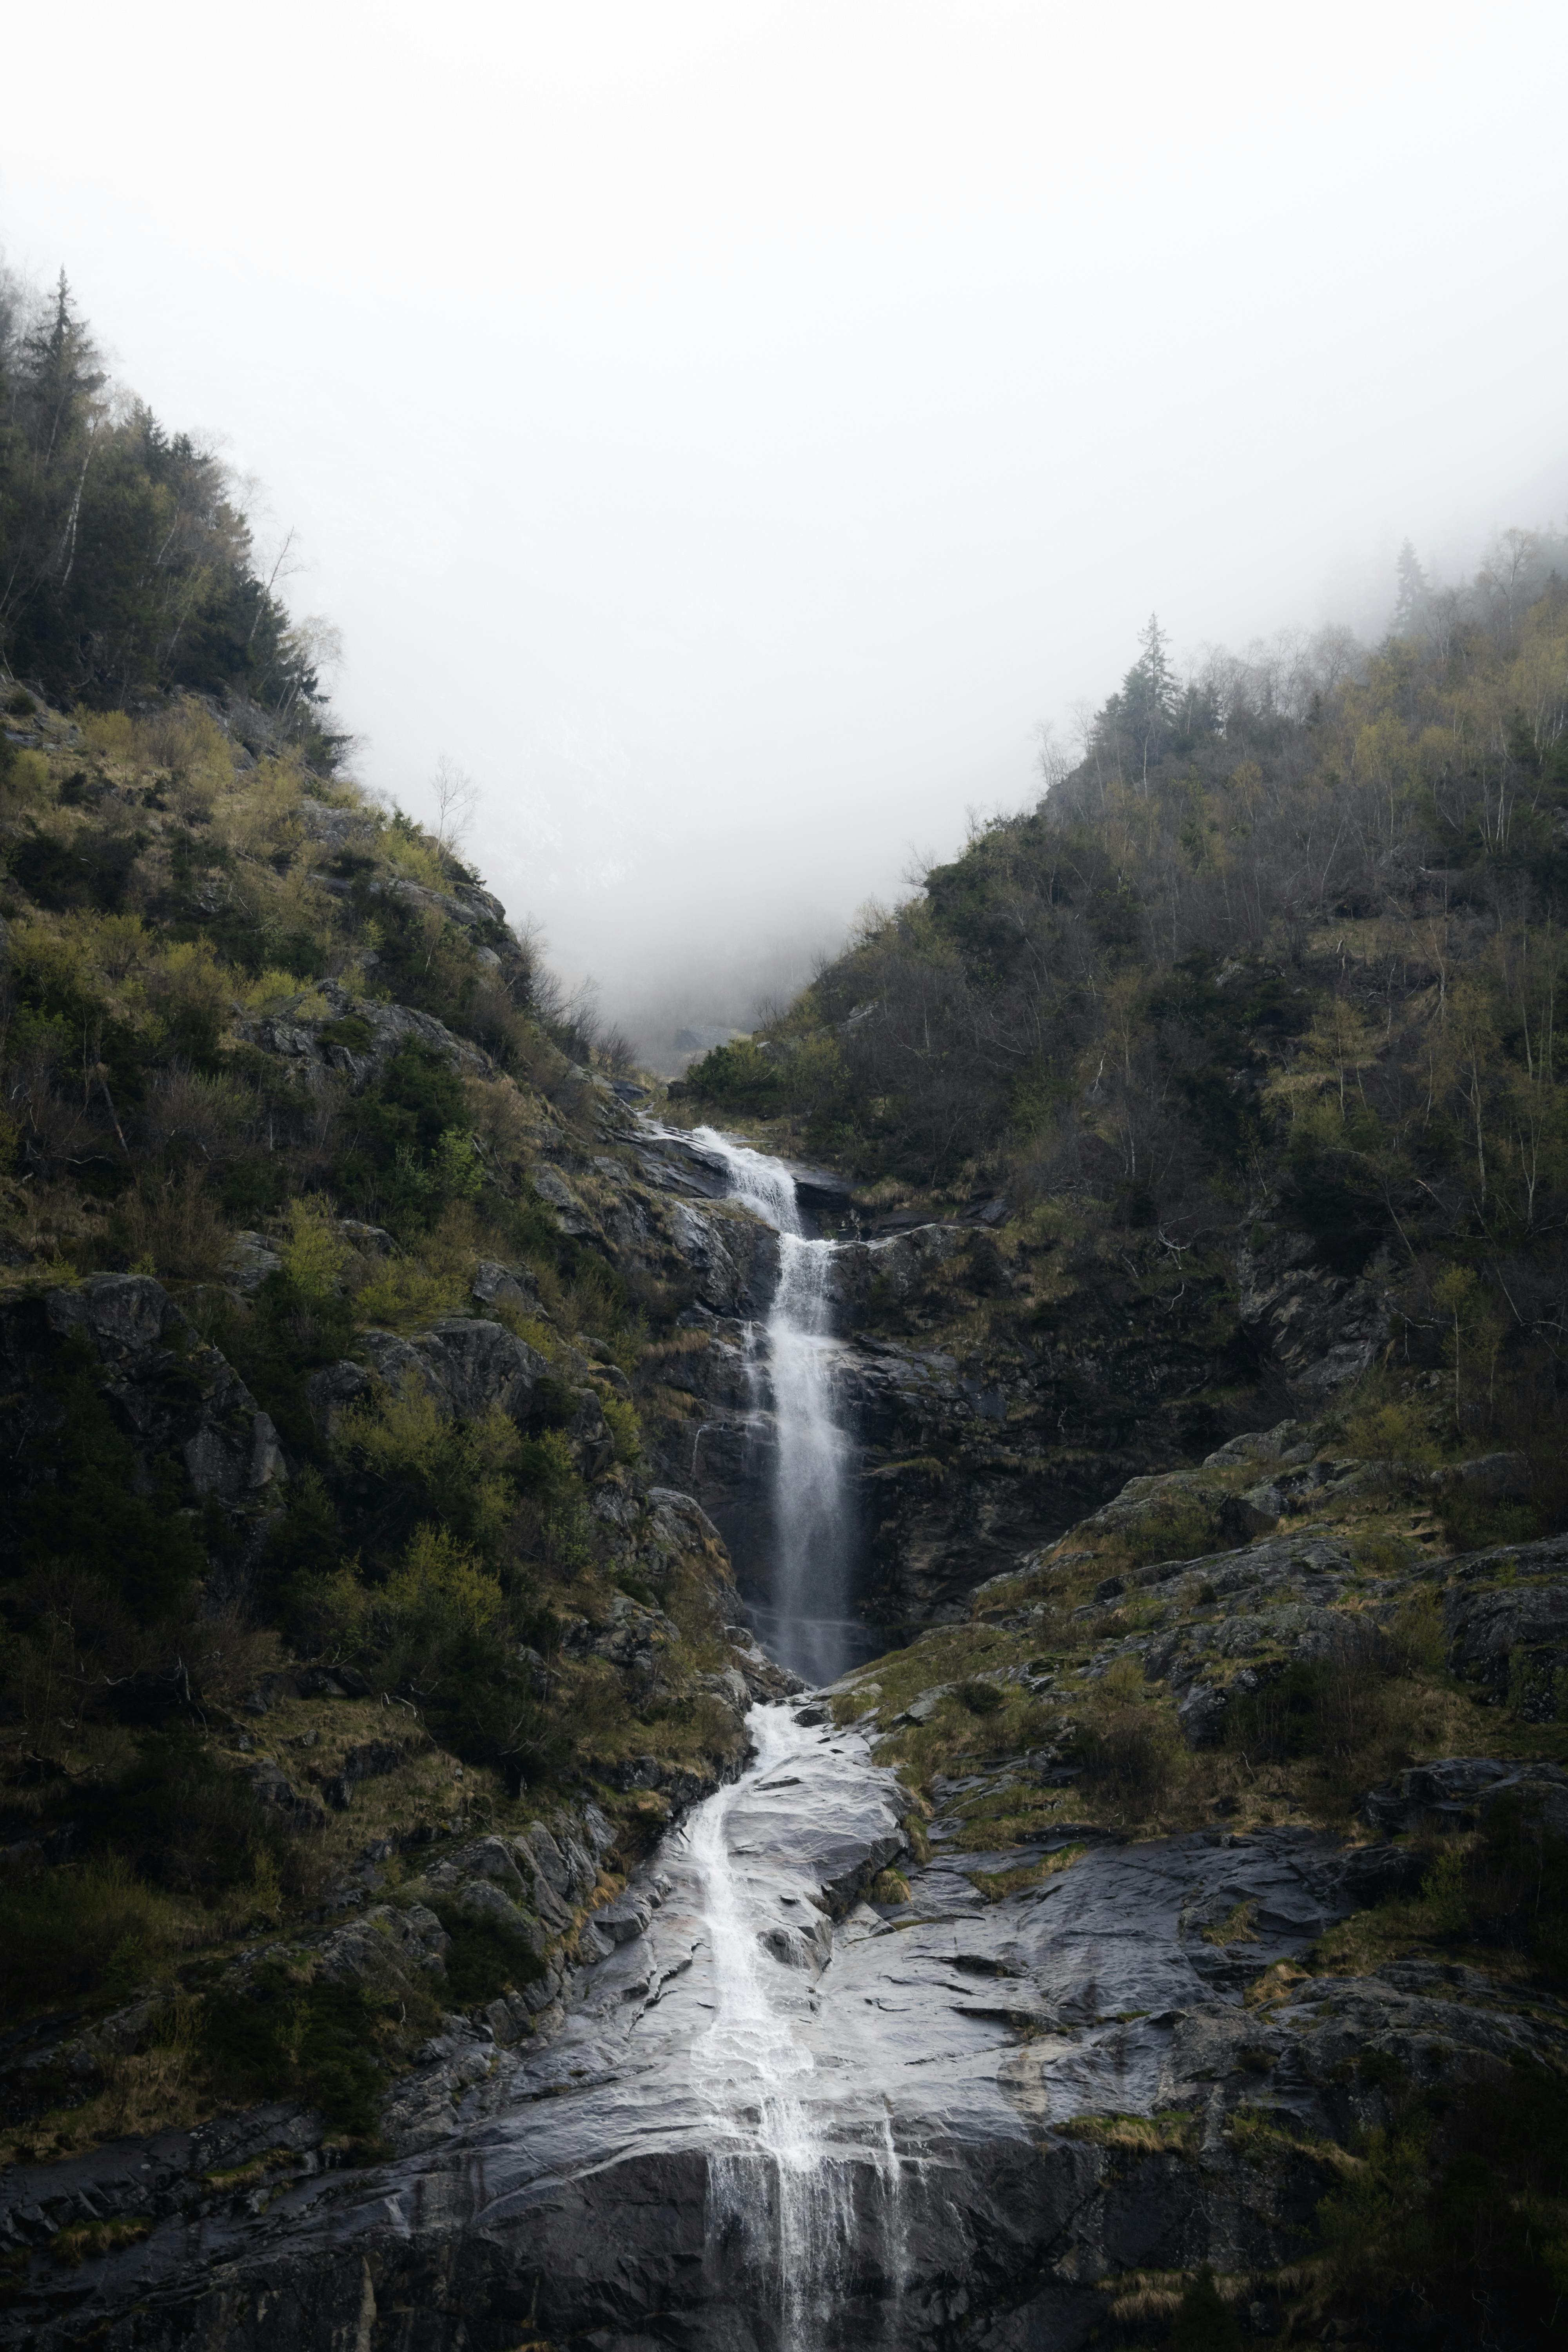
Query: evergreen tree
point(126, 568)
point(1413, 591)
point(1135, 724)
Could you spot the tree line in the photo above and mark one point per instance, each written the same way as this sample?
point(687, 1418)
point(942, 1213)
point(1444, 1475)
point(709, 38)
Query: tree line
point(1286, 940)
point(128, 566)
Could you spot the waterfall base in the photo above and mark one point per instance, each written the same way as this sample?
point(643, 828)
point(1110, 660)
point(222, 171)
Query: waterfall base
point(782, 2119)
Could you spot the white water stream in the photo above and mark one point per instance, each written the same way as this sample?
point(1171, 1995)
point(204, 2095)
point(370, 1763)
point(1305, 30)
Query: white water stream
point(796, 2203)
point(807, 1626)
point(803, 2210)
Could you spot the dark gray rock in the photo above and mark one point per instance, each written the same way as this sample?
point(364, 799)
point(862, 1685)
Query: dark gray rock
point(505, 1286)
point(178, 1401)
point(1323, 1329)
point(1493, 1477)
point(1446, 1792)
point(466, 1365)
point(1512, 1631)
point(577, 2166)
point(315, 1052)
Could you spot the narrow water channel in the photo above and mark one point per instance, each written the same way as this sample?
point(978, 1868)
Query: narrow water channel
point(805, 2204)
point(794, 2203)
point(805, 1623)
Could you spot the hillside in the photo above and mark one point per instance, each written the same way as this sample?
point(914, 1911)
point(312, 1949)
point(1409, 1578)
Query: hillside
point(1237, 1055)
point(1158, 1937)
point(330, 1528)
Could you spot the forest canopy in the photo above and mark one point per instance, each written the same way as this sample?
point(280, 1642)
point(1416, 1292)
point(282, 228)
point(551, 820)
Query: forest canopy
point(128, 568)
point(1287, 941)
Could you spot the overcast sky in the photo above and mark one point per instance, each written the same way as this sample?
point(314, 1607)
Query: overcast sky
point(728, 428)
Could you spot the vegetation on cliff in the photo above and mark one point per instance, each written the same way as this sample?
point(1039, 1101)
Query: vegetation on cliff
point(1226, 1083)
point(328, 1525)
point(1280, 956)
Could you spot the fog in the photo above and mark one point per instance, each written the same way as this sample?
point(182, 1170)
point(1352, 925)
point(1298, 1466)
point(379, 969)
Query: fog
point(729, 430)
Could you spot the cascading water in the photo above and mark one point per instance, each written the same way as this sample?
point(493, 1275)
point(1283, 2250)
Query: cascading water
point(807, 2214)
point(807, 1623)
point(791, 2207)
point(793, 2203)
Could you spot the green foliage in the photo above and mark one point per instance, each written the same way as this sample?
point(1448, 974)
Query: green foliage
point(1334, 1707)
point(86, 1515)
point(402, 1294)
point(66, 1931)
point(1397, 1434)
point(481, 1962)
point(132, 573)
point(739, 1074)
point(429, 1467)
point(1204, 2321)
point(1130, 1756)
point(313, 1254)
point(621, 1416)
point(1141, 1001)
point(979, 1697)
point(438, 1589)
point(326, 2045)
point(411, 1154)
point(1452, 2227)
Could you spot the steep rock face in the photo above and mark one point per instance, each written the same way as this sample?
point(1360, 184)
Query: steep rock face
point(1323, 1329)
point(1507, 1622)
point(966, 1457)
point(355, 1038)
point(961, 1463)
point(183, 1409)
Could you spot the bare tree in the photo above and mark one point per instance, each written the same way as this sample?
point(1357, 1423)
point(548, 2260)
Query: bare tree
point(457, 800)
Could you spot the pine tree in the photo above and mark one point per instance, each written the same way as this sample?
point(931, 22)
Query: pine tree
point(1413, 592)
point(1146, 706)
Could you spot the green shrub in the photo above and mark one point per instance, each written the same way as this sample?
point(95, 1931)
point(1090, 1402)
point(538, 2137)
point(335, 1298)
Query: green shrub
point(979, 1697)
point(65, 1931)
point(739, 1073)
point(314, 1254)
point(1393, 1433)
point(439, 1589)
point(1129, 1757)
point(1449, 2229)
point(1333, 1706)
point(621, 1416)
point(1204, 2321)
point(401, 1295)
point(327, 2045)
point(481, 1962)
point(1417, 1635)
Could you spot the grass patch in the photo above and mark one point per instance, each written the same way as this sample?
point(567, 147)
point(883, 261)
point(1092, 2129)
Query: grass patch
point(1169, 2131)
point(1239, 1926)
point(996, 1884)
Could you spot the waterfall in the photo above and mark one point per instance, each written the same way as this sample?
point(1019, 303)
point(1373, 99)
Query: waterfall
point(808, 1625)
point(806, 2219)
point(806, 2200)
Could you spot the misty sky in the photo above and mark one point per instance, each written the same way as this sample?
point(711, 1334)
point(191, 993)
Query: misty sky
point(727, 429)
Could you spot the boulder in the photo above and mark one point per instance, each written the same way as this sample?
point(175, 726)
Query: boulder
point(504, 1285)
point(1493, 1477)
point(1445, 1793)
point(250, 1263)
point(386, 1949)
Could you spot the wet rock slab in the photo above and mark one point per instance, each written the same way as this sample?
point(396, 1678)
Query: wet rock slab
point(941, 2044)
